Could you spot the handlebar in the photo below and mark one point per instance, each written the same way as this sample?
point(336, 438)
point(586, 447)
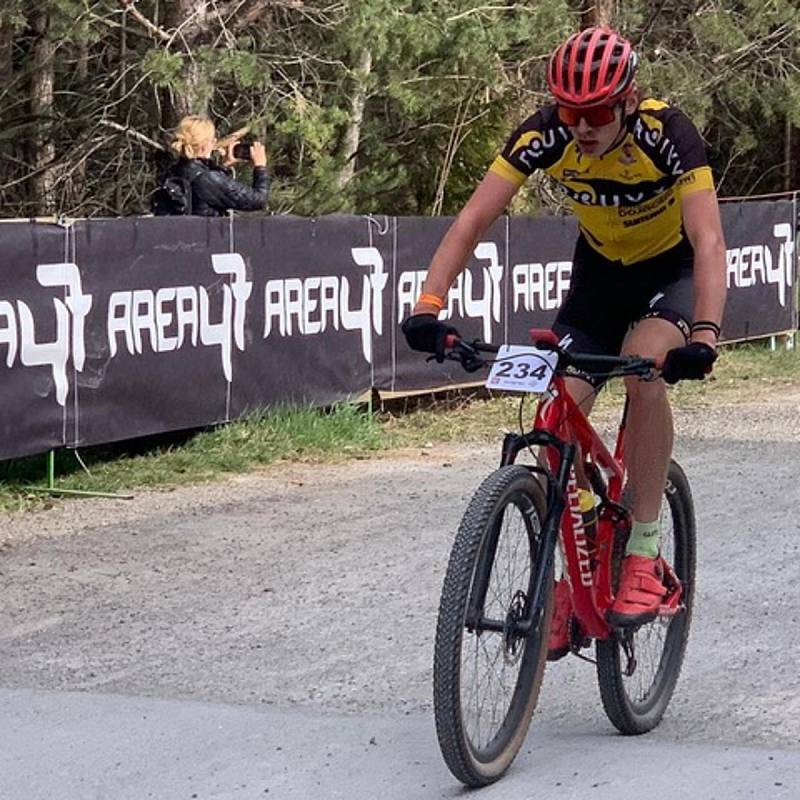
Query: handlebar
point(468, 353)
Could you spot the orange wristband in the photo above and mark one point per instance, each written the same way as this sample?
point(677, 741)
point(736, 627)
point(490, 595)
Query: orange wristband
point(432, 300)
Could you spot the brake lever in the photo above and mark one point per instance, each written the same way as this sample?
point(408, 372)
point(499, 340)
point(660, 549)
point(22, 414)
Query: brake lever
point(651, 375)
point(472, 363)
point(465, 354)
point(469, 357)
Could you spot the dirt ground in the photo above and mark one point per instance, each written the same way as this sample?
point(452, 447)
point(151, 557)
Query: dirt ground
point(317, 586)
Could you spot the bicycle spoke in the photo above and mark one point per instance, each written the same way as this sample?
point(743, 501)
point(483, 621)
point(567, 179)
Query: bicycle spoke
point(489, 675)
point(649, 641)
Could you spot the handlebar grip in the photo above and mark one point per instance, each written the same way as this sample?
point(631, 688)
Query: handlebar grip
point(451, 340)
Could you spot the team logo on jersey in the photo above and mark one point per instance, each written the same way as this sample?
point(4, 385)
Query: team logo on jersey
point(572, 174)
point(627, 157)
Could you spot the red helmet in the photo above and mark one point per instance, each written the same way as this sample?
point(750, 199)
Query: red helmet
point(593, 67)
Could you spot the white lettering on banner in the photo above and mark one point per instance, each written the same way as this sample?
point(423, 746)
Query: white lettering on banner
point(164, 320)
point(461, 299)
point(186, 313)
point(535, 286)
point(42, 354)
point(310, 305)
point(79, 304)
point(144, 311)
point(486, 307)
point(8, 331)
point(540, 286)
point(370, 257)
point(754, 264)
point(409, 288)
point(18, 331)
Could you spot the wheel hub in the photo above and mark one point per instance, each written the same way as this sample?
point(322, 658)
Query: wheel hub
point(513, 639)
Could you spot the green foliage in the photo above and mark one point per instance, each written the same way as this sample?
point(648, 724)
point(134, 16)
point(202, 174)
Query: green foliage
point(162, 68)
point(447, 82)
point(731, 65)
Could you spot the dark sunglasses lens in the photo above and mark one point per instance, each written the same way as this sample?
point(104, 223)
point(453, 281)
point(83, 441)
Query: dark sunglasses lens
point(599, 115)
point(594, 115)
point(569, 116)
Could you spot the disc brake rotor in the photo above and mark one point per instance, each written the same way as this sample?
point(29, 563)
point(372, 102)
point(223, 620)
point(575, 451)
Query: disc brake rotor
point(512, 638)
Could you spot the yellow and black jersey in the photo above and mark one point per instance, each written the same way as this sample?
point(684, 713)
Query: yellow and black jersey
point(627, 201)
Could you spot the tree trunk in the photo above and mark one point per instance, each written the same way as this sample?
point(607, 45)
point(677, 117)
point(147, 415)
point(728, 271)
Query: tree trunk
point(791, 158)
point(43, 151)
point(598, 12)
point(6, 45)
point(191, 16)
point(352, 136)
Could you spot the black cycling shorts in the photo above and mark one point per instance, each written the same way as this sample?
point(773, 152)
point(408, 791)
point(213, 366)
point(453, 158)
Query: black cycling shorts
point(606, 298)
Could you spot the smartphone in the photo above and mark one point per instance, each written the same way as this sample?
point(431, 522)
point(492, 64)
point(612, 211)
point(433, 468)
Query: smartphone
point(241, 151)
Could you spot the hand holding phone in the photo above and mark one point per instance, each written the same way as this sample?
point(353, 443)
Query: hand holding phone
point(258, 154)
point(241, 151)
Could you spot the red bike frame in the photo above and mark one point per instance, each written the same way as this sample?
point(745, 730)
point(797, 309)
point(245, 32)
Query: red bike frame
point(589, 562)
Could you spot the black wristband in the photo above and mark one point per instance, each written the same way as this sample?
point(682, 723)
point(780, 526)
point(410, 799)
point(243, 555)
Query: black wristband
point(706, 325)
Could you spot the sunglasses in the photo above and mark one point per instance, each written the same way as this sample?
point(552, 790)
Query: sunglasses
point(595, 116)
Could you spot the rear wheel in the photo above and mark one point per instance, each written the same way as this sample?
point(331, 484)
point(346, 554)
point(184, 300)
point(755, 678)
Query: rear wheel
point(637, 671)
point(486, 682)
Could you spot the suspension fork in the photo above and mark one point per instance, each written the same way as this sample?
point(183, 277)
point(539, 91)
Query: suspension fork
point(556, 500)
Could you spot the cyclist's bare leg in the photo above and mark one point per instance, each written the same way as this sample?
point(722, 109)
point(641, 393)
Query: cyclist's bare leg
point(584, 395)
point(648, 432)
point(582, 392)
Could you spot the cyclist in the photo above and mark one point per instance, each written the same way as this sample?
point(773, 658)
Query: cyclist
point(648, 272)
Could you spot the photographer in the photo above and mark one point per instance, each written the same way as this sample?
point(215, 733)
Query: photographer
point(211, 188)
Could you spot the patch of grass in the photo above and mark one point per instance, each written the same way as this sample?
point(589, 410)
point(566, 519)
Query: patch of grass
point(342, 432)
point(743, 373)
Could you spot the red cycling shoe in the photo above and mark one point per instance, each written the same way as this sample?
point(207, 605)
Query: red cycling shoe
point(558, 643)
point(641, 590)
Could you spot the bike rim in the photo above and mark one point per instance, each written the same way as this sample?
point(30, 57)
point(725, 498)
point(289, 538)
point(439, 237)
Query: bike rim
point(492, 663)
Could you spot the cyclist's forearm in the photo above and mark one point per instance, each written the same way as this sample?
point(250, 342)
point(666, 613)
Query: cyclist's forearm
point(492, 195)
point(710, 280)
point(449, 260)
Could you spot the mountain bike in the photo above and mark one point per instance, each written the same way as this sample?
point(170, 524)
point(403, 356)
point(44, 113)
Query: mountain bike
point(523, 524)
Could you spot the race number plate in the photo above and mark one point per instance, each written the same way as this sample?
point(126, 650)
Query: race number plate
point(522, 369)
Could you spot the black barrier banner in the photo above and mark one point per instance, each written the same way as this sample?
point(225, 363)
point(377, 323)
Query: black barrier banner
point(161, 327)
point(314, 313)
point(36, 336)
point(762, 266)
point(474, 304)
point(113, 329)
point(539, 272)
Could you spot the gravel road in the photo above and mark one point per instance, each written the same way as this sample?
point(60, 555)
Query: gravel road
point(310, 592)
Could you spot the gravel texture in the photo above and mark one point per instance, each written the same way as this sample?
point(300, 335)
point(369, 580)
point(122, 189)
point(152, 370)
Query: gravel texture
point(317, 586)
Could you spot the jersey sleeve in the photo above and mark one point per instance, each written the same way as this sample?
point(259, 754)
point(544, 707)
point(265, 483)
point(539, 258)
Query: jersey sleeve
point(536, 144)
point(694, 171)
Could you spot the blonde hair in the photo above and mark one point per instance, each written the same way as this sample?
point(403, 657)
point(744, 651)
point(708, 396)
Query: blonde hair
point(191, 135)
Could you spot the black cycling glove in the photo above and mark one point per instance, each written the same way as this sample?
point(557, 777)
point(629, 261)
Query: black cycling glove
point(692, 362)
point(425, 333)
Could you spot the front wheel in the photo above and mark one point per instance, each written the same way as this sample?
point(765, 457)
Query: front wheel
point(637, 671)
point(486, 676)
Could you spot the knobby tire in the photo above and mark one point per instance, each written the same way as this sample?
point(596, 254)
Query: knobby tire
point(509, 503)
point(640, 714)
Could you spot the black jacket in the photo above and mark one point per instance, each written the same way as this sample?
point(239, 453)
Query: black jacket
point(214, 191)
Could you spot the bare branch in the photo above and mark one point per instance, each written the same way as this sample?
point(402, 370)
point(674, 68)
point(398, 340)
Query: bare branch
point(159, 33)
point(128, 131)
